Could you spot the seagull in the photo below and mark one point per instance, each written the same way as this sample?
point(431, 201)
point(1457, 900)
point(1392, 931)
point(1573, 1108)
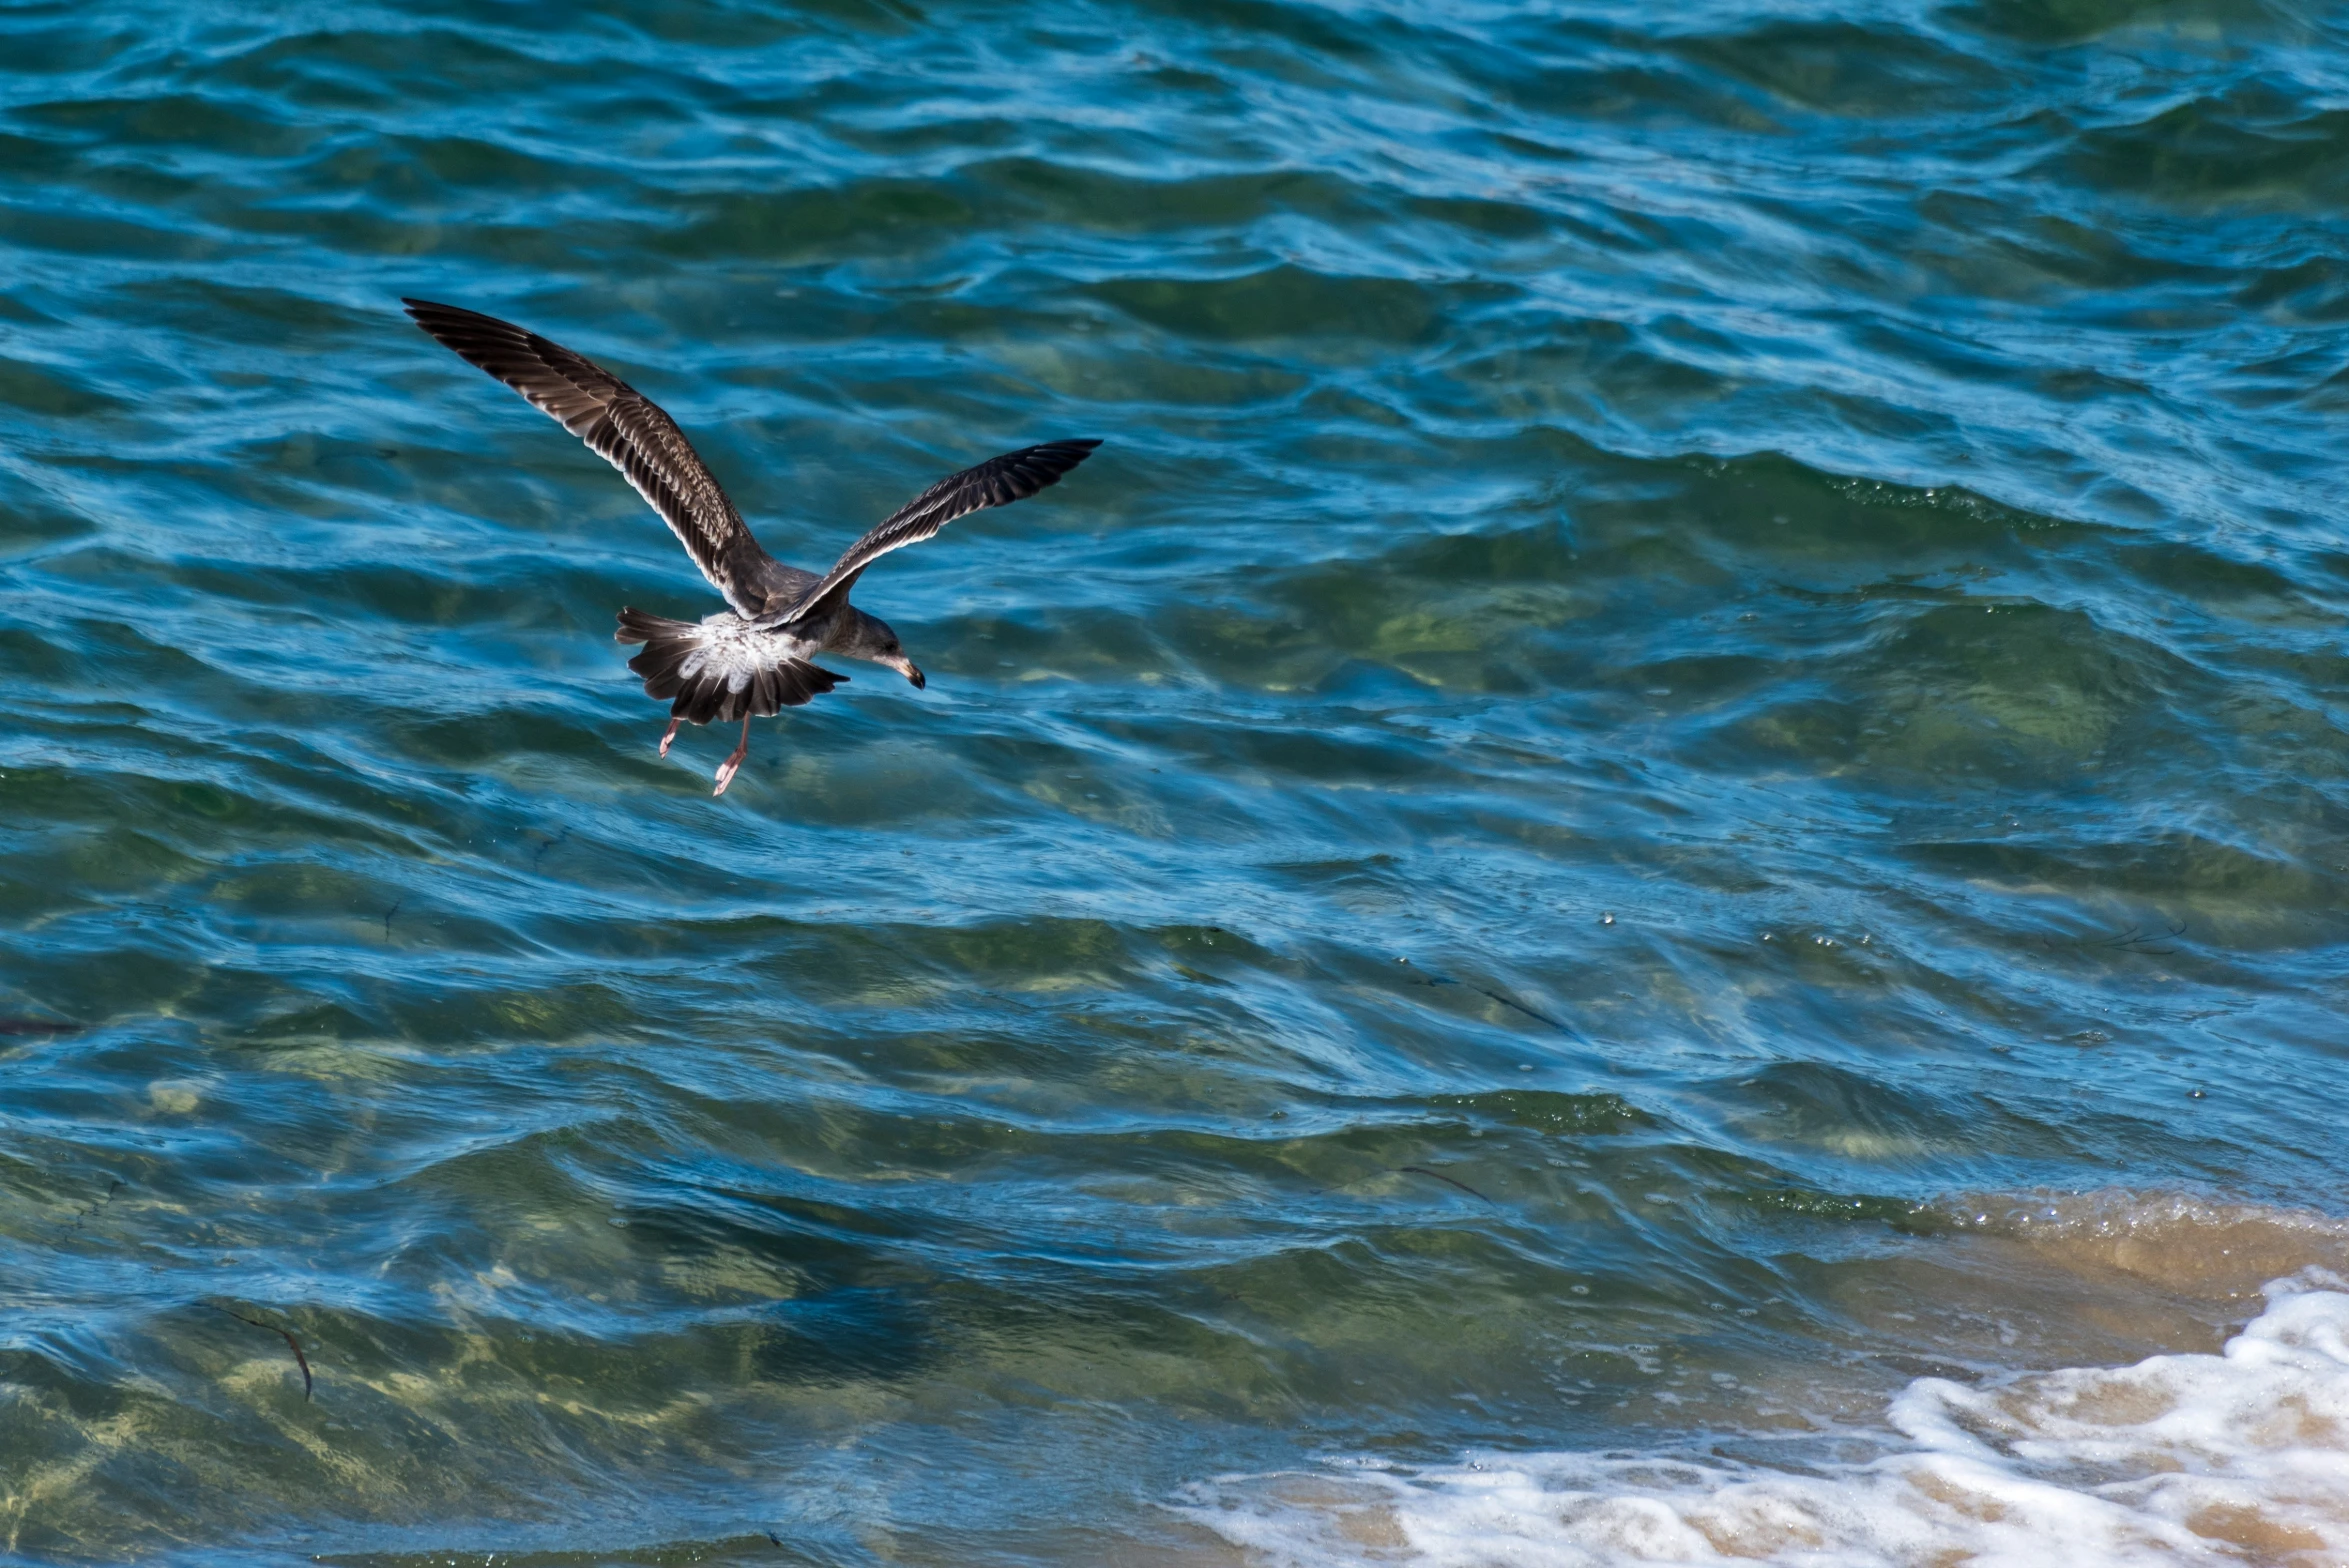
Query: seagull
point(757, 656)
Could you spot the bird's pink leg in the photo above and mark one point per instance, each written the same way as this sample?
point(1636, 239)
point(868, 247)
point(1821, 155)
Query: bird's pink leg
point(669, 735)
point(727, 768)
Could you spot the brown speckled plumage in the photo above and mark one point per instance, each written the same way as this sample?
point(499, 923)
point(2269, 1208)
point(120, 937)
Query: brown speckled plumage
point(757, 656)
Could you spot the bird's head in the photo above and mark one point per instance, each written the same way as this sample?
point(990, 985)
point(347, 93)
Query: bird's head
point(877, 641)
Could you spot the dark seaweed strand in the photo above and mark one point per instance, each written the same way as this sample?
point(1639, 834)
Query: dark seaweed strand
point(287, 1334)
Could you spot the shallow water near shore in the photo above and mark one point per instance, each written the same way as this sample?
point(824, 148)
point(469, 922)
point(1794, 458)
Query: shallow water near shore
point(1652, 867)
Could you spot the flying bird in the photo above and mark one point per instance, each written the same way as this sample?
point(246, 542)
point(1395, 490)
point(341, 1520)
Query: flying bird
point(757, 656)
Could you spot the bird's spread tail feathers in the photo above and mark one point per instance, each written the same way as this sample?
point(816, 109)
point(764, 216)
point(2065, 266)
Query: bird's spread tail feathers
point(719, 669)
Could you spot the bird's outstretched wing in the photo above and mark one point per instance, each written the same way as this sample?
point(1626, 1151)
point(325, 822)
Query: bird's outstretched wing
point(625, 428)
point(999, 481)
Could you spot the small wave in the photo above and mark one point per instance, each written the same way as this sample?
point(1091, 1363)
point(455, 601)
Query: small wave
point(2230, 1458)
point(2187, 1245)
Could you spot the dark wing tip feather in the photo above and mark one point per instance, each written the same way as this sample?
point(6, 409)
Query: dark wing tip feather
point(999, 481)
point(423, 309)
point(1027, 471)
point(622, 426)
point(453, 324)
point(561, 383)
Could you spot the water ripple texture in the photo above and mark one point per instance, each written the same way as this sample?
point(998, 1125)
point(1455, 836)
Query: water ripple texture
point(1679, 786)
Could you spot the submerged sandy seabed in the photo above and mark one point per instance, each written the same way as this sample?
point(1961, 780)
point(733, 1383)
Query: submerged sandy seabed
point(2186, 1457)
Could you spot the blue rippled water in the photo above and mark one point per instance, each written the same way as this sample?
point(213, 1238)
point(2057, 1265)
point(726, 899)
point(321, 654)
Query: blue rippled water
point(1677, 793)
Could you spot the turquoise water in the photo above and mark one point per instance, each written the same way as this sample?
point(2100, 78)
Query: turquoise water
point(1687, 758)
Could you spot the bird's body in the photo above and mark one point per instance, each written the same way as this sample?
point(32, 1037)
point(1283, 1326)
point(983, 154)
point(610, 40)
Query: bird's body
point(757, 656)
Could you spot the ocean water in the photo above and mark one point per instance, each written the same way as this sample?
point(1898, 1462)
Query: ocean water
point(1653, 868)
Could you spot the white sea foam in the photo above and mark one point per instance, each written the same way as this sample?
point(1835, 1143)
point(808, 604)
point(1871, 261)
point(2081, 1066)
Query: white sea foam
point(2238, 1458)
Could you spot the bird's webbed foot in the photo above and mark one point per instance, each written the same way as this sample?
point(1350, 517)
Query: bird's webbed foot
point(733, 762)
